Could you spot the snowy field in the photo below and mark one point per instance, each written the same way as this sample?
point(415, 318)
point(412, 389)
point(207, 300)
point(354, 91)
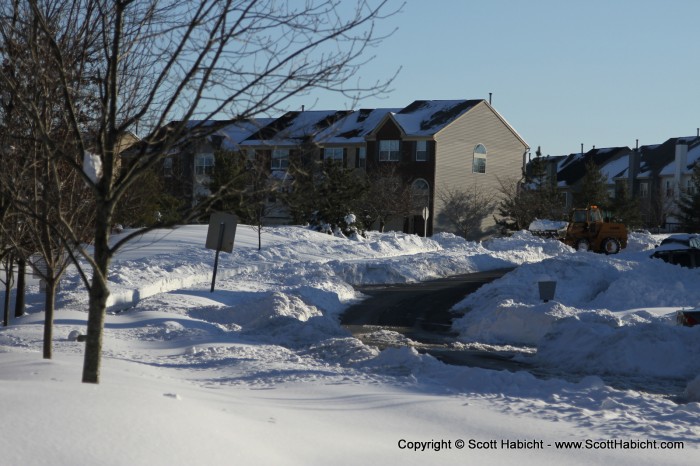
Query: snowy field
point(260, 372)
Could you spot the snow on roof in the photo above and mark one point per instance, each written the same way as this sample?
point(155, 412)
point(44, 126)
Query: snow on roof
point(237, 132)
point(692, 157)
point(669, 169)
point(353, 128)
point(569, 159)
point(294, 127)
point(615, 168)
point(427, 117)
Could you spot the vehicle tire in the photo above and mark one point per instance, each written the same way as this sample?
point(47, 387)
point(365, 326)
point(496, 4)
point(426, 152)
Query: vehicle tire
point(611, 246)
point(583, 245)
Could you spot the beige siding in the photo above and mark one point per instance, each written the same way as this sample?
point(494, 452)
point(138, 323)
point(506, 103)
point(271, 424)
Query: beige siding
point(454, 154)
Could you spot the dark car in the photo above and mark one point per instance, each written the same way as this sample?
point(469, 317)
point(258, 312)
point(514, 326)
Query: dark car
point(680, 249)
point(689, 317)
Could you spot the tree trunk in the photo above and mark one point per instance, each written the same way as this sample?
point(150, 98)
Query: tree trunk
point(8, 290)
point(98, 294)
point(21, 286)
point(49, 306)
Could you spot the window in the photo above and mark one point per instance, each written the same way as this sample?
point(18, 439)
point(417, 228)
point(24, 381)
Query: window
point(579, 216)
point(690, 187)
point(479, 164)
point(168, 166)
point(644, 189)
point(333, 153)
point(669, 189)
point(389, 150)
point(280, 159)
point(361, 157)
point(204, 164)
point(421, 151)
point(250, 155)
point(420, 189)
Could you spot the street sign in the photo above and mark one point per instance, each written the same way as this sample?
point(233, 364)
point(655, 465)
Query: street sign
point(221, 223)
point(220, 236)
point(426, 213)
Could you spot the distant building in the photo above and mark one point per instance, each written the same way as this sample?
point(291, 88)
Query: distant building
point(657, 175)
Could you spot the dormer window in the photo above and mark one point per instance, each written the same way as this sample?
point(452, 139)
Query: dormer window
point(389, 150)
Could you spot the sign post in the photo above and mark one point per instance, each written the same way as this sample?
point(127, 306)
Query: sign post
point(426, 216)
point(220, 237)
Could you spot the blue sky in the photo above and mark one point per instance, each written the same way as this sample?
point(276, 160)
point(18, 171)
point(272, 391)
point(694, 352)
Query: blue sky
point(599, 72)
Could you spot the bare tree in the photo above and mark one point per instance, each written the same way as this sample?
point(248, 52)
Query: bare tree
point(465, 209)
point(152, 62)
point(522, 201)
point(49, 198)
point(244, 186)
point(388, 196)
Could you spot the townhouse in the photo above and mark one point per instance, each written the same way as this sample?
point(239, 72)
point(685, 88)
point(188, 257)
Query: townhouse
point(432, 144)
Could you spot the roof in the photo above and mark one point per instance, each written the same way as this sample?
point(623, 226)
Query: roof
point(354, 127)
point(573, 167)
point(655, 158)
point(294, 128)
point(692, 157)
point(616, 168)
point(237, 132)
point(428, 117)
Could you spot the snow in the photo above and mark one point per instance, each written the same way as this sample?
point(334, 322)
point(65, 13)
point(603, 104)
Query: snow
point(417, 118)
point(615, 168)
point(92, 166)
point(261, 372)
point(353, 128)
point(546, 225)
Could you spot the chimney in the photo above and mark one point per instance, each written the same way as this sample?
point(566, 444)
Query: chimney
point(582, 148)
point(302, 107)
point(633, 170)
point(490, 95)
point(681, 164)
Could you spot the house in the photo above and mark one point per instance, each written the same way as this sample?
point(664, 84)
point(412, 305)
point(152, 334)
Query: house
point(656, 175)
point(570, 170)
point(446, 144)
point(346, 141)
point(432, 144)
point(187, 169)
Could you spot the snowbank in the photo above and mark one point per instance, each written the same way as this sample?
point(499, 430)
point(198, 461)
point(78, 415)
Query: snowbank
point(261, 372)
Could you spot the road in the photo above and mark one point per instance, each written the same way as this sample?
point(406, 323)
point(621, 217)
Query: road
point(423, 306)
point(421, 312)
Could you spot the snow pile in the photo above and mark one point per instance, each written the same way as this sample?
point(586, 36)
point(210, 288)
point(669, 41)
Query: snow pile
point(546, 225)
point(610, 314)
point(267, 375)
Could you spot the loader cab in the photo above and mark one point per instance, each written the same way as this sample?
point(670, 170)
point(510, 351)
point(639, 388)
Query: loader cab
point(591, 215)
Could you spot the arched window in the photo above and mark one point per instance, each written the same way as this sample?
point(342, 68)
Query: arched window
point(479, 164)
point(420, 190)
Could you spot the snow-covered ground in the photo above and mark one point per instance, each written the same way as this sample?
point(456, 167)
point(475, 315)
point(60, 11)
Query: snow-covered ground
point(261, 372)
